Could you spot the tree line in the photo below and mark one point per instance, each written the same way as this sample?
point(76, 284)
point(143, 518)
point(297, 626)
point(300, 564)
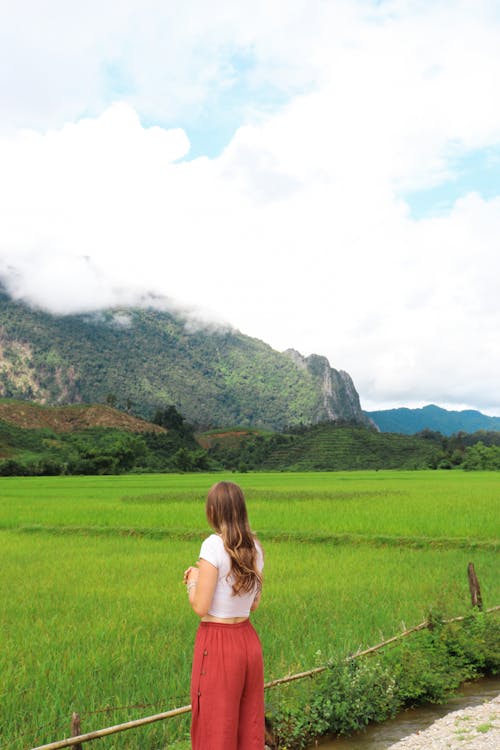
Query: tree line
point(324, 447)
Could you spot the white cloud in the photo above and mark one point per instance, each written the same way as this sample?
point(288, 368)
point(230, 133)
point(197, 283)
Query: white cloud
point(61, 59)
point(298, 232)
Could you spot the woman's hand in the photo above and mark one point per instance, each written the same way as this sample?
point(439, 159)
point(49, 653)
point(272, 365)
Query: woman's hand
point(191, 574)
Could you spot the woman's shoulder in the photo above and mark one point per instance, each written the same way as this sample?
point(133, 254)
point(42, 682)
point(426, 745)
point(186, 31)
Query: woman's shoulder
point(212, 550)
point(214, 541)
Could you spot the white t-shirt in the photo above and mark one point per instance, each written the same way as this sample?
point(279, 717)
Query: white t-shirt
point(225, 603)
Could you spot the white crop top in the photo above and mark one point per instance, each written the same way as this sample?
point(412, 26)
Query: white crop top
point(224, 602)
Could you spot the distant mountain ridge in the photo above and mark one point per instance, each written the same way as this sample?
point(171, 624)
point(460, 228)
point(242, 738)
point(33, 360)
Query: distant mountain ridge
point(410, 421)
point(144, 359)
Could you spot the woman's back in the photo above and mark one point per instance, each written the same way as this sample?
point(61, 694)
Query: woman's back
point(225, 603)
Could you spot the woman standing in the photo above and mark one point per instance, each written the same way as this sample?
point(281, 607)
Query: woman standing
point(227, 682)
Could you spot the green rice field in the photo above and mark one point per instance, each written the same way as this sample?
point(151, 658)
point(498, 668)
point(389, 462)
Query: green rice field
point(94, 615)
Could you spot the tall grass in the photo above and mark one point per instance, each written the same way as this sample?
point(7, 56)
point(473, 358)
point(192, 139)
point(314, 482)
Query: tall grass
point(94, 620)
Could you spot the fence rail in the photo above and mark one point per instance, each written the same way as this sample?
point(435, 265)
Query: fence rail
point(97, 734)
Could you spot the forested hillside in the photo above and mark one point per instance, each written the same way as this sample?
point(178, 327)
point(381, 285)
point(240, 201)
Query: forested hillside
point(336, 447)
point(322, 447)
point(144, 359)
point(41, 440)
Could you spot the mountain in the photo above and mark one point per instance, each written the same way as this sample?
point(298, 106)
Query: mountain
point(144, 359)
point(411, 421)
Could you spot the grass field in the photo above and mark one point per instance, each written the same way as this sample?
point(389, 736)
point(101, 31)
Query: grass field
point(94, 614)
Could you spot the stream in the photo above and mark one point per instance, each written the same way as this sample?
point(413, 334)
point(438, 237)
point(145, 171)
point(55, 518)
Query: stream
point(381, 736)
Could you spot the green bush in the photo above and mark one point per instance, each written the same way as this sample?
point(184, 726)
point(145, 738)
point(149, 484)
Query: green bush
point(12, 468)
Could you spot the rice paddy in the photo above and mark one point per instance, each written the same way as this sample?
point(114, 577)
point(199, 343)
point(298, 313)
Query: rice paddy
point(94, 615)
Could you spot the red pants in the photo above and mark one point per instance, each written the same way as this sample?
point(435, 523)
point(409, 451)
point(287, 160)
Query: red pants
point(227, 688)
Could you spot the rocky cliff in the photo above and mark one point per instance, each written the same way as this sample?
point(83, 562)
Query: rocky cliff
point(339, 400)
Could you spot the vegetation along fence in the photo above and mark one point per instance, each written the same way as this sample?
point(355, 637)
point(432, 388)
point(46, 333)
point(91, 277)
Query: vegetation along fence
point(77, 739)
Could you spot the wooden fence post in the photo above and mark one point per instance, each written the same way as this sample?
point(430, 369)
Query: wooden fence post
point(76, 729)
point(475, 590)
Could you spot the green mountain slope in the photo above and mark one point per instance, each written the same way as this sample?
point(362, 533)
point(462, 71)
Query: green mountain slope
point(143, 359)
point(411, 421)
point(321, 447)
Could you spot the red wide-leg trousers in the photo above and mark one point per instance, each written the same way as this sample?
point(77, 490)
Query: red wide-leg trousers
point(227, 688)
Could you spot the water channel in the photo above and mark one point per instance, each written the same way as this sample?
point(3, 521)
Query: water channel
point(381, 736)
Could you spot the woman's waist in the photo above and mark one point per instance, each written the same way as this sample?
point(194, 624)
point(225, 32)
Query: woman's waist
point(224, 620)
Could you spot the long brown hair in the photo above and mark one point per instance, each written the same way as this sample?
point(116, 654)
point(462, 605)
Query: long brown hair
point(227, 514)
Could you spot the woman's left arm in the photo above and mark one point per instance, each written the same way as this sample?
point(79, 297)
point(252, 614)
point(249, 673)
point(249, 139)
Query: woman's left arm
point(201, 582)
point(256, 601)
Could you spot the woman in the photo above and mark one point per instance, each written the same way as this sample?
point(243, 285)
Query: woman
point(227, 683)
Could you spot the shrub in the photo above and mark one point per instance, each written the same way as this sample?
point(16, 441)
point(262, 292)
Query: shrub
point(12, 468)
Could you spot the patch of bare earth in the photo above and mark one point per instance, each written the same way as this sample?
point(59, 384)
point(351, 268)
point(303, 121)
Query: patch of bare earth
point(72, 418)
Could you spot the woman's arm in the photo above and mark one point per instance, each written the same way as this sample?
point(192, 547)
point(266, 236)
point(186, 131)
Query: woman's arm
point(201, 582)
point(256, 601)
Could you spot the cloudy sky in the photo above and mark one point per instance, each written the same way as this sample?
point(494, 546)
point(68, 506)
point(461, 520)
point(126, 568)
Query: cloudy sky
point(321, 174)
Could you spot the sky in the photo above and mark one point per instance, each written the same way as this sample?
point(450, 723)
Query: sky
point(321, 174)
